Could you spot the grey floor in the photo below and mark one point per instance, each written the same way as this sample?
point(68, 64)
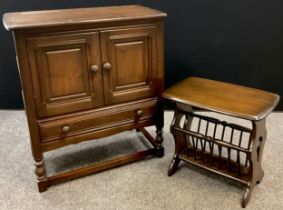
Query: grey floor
point(142, 185)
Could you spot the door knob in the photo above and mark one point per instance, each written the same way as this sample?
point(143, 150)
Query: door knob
point(107, 66)
point(94, 68)
point(65, 129)
point(139, 113)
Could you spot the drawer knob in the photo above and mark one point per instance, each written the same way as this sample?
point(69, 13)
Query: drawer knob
point(66, 129)
point(94, 68)
point(107, 66)
point(139, 113)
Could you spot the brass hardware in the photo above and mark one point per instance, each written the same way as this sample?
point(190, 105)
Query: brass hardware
point(107, 66)
point(94, 68)
point(139, 113)
point(66, 129)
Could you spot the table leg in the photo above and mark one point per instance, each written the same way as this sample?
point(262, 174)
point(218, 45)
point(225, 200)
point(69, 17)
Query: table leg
point(180, 141)
point(259, 137)
point(40, 172)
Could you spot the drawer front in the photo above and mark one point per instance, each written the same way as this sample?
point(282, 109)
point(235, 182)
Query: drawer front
point(100, 119)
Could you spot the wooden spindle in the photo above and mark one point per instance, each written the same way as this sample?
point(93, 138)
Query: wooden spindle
point(194, 147)
point(184, 127)
point(229, 150)
point(238, 154)
point(249, 145)
point(213, 137)
point(220, 147)
point(198, 130)
point(204, 143)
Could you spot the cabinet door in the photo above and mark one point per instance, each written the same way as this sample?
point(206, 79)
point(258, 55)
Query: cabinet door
point(66, 73)
point(129, 58)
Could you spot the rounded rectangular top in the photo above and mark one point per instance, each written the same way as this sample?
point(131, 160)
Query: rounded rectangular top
point(45, 18)
point(225, 98)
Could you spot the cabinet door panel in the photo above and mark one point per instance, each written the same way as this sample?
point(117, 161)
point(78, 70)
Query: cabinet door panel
point(132, 55)
point(60, 85)
point(61, 74)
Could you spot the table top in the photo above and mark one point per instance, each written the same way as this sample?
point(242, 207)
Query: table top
point(225, 98)
point(33, 19)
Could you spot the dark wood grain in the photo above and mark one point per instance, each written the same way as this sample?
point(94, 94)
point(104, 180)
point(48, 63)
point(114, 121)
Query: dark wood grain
point(133, 58)
point(51, 130)
point(87, 170)
point(87, 74)
point(48, 18)
point(224, 98)
point(212, 144)
point(62, 77)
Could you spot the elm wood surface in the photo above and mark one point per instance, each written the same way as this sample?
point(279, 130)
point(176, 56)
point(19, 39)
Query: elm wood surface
point(51, 130)
point(61, 72)
point(75, 65)
point(237, 152)
point(99, 167)
point(230, 99)
point(133, 49)
point(63, 17)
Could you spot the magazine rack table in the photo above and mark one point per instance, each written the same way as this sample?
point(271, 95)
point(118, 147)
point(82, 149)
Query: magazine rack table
point(227, 149)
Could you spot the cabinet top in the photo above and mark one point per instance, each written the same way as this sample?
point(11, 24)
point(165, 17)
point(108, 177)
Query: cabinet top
point(45, 18)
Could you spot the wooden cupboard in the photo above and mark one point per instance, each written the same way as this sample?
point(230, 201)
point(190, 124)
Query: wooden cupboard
point(89, 73)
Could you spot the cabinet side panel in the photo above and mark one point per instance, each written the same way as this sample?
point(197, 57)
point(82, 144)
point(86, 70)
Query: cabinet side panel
point(28, 97)
point(159, 78)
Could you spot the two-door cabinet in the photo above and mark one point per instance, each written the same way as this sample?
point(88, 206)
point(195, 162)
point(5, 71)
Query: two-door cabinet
point(89, 73)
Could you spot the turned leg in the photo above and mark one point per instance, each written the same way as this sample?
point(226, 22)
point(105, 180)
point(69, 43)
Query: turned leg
point(259, 137)
point(41, 175)
point(159, 149)
point(159, 139)
point(40, 171)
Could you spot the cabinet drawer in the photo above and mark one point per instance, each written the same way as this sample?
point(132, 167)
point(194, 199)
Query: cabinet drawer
point(96, 120)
